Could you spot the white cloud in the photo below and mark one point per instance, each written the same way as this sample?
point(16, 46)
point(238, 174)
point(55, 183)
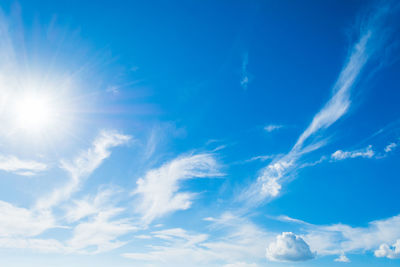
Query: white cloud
point(391, 252)
point(363, 153)
point(268, 184)
point(83, 165)
point(272, 127)
point(337, 239)
point(158, 190)
point(88, 206)
point(289, 247)
point(241, 264)
point(21, 167)
point(100, 230)
point(240, 241)
point(342, 258)
point(35, 244)
point(390, 147)
point(21, 222)
point(245, 77)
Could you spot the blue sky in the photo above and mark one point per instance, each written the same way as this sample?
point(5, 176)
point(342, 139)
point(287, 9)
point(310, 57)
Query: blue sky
point(209, 133)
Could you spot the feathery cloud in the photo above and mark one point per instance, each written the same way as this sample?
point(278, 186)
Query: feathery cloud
point(269, 182)
point(158, 189)
point(21, 167)
point(83, 165)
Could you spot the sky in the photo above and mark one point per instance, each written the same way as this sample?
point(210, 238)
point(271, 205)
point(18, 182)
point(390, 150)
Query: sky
point(199, 133)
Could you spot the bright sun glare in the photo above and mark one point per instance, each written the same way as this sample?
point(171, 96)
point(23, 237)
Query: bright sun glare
point(34, 113)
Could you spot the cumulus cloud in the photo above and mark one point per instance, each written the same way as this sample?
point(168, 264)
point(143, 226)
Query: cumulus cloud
point(363, 153)
point(289, 247)
point(342, 258)
point(338, 239)
point(391, 252)
point(21, 167)
point(158, 189)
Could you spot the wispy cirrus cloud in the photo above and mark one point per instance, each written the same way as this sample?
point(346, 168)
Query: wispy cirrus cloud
point(241, 240)
point(245, 76)
point(83, 165)
point(272, 127)
point(158, 189)
point(270, 179)
point(22, 167)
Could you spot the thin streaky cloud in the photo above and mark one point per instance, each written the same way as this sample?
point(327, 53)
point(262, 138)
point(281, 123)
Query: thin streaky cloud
point(367, 152)
point(21, 167)
point(269, 182)
point(83, 165)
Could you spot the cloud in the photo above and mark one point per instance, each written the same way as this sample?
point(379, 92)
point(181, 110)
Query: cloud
point(269, 182)
point(342, 258)
point(21, 222)
point(239, 241)
point(245, 76)
point(391, 252)
point(83, 165)
point(240, 264)
point(289, 247)
point(158, 189)
point(363, 153)
point(272, 127)
point(338, 239)
point(100, 230)
point(21, 167)
point(35, 244)
point(390, 147)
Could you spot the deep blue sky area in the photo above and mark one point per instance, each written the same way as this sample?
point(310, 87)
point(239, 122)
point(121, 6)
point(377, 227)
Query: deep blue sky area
point(199, 133)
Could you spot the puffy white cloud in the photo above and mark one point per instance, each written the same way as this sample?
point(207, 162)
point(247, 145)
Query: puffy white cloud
point(391, 252)
point(289, 247)
point(363, 153)
point(158, 190)
point(342, 258)
point(21, 167)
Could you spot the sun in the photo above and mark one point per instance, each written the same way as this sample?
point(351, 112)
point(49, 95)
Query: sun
point(34, 112)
